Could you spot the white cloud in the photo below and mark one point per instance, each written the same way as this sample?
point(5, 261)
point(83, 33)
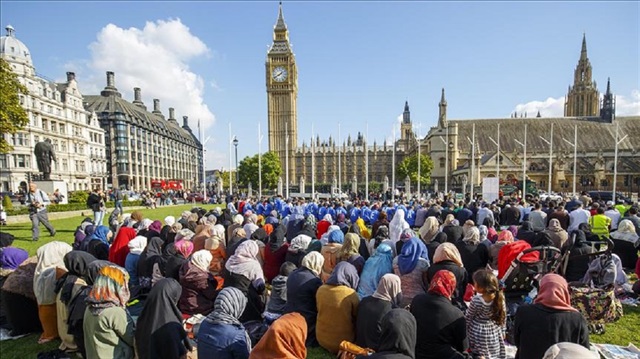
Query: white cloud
point(156, 59)
point(395, 129)
point(554, 107)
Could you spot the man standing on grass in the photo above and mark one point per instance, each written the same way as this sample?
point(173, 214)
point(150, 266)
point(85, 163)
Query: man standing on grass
point(38, 201)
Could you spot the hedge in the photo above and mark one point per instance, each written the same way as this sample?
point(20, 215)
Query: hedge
point(67, 207)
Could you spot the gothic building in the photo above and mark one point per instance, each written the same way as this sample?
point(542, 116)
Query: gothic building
point(582, 97)
point(56, 113)
point(333, 162)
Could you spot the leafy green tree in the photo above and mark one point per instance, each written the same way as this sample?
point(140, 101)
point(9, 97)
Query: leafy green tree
point(409, 167)
point(271, 170)
point(6, 203)
point(13, 117)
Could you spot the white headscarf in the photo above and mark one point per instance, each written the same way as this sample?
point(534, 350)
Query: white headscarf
point(137, 245)
point(314, 262)
point(50, 256)
point(327, 217)
point(202, 259)
point(218, 231)
point(169, 220)
point(145, 223)
point(237, 219)
point(300, 243)
point(245, 261)
point(397, 225)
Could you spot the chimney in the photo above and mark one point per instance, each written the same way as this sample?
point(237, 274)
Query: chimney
point(71, 76)
point(172, 113)
point(110, 89)
point(156, 108)
point(185, 121)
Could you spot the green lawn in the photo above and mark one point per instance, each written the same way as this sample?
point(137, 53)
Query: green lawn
point(623, 332)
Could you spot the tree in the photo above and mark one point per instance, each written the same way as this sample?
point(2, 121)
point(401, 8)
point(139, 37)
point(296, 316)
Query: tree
point(13, 117)
point(6, 203)
point(409, 167)
point(271, 170)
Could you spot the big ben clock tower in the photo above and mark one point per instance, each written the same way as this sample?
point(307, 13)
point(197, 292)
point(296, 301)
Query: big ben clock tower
point(282, 93)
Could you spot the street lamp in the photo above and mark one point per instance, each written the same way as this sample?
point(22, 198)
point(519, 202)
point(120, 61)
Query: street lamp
point(615, 163)
point(550, 143)
point(575, 155)
point(524, 163)
point(497, 143)
point(235, 143)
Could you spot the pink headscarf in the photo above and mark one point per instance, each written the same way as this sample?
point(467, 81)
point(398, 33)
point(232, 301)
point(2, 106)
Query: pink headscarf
point(505, 236)
point(554, 293)
point(184, 247)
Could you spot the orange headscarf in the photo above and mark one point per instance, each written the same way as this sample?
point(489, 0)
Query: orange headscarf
point(268, 228)
point(285, 339)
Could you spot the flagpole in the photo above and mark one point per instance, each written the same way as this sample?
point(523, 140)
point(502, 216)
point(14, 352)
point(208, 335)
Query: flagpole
point(366, 172)
point(230, 164)
point(259, 162)
point(313, 165)
point(339, 162)
point(393, 166)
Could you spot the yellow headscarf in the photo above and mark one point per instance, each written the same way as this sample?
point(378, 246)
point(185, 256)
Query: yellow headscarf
point(364, 231)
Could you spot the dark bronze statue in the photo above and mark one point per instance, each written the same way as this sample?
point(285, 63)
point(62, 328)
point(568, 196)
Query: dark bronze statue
point(44, 155)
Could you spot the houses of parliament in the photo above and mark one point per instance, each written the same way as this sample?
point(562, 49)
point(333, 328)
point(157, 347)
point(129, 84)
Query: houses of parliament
point(588, 117)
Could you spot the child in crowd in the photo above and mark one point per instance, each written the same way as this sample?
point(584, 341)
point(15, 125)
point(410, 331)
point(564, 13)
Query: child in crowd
point(278, 298)
point(486, 317)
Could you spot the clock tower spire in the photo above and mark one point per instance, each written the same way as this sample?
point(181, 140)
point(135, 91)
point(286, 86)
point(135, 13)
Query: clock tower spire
point(282, 96)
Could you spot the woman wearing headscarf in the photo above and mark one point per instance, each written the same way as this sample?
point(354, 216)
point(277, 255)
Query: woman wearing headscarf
point(452, 229)
point(474, 254)
point(364, 231)
point(578, 262)
point(285, 338)
point(411, 266)
point(397, 225)
point(137, 216)
point(177, 255)
point(215, 245)
point(302, 286)
point(198, 285)
point(374, 269)
point(569, 351)
point(136, 247)
point(120, 246)
point(108, 330)
point(50, 256)
point(149, 264)
point(626, 243)
point(159, 331)
point(250, 224)
point(552, 311)
point(381, 236)
point(429, 229)
point(67, 287)
point(381, 221)
point(447, 257)
point(558, 235)
point(323, 225)
point(18, 300)
point(330, 252)
point(341, 223)
point(298, 249)
point(526, 233)
point(373, 308)
point(337, 303)
point(221, 334)
point(98, 245)
point(238, 236)
point(236, 223)
point(441, 328)
point(504, 237)
point(349, 251)
point(243, 271)
point(274, 253)
point(397, 336)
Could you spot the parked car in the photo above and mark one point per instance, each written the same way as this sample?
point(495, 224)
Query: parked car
point(607, 196)
point(197, 197)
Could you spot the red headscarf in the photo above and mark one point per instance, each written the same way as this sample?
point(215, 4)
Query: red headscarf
point(443, 283)
point(120, 247)
point(554, 293)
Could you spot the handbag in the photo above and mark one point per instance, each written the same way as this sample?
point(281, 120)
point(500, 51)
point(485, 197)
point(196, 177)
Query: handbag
point(348, 350)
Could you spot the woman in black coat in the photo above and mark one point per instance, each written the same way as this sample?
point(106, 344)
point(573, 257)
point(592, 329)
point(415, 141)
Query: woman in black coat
point(447, 257)
point(398, 337)
point(579, 258)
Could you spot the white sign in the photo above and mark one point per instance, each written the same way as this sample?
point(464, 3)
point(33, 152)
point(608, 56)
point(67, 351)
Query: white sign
point(490, 189)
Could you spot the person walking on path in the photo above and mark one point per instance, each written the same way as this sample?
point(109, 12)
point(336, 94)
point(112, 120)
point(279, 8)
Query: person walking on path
point(38, 202)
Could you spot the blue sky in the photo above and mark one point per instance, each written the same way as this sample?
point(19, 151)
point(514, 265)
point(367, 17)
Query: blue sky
point(357, 61)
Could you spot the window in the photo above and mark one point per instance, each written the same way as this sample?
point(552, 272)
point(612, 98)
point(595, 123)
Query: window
point(21, 161)
point(45, 125)
point(63, 146)
point(3, 161)
point(442, 162)
point(65, 164)
point(54, 127)
point(63, 129)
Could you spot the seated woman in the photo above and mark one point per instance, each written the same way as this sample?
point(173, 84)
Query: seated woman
point(198, 285)
point(626, 243)
point(17, 299)
point(275, 252)
point(337, 303)
point(10, 259)
point(136, 246)
point(373, 308)
point(120, 247)
point(411, 266)
point(330, 253)
point(108, 330)
point(375, 267)
point(448, 258)
point(284, 339)
point(578, 262)
point(278, 298)
point(504, 237)
point(159, 330)
point(298, 249)
point(50, 256)
point(474, 255)
point(221, 334)
point(67, 287)
point(350, 251)
point(550, 320)
point(98, 245)
point(397, 336)
point(242, 271)
point(558, 235)
point(175, 256)
point(302, 286)
point(442, 332)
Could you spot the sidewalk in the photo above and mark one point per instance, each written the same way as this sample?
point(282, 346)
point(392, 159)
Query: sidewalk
point(61, 215)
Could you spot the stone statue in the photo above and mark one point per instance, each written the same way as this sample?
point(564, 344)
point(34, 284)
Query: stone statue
point(44, 155)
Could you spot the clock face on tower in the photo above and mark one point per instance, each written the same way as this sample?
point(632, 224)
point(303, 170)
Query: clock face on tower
point(279, 74)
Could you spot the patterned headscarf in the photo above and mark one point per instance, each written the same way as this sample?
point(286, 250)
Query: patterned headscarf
point(228, 307)
point(443, 283)
point(109, 290)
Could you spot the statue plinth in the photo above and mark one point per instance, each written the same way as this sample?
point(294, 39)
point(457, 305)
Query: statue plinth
point(50, 186)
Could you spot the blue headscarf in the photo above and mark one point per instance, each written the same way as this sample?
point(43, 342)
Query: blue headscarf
point(374, 268)
point(412, 250)
point(336, 236)
point(101, 234)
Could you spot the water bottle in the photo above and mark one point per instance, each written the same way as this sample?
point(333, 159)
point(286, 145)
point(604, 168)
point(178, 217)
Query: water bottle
point(531, 296)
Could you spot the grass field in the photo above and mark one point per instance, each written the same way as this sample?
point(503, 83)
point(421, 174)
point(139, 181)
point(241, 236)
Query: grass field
point(623, 332)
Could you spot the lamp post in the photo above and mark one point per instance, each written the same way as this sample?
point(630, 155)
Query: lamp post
point(393, 167)
point(524, 163)
point(313, 165)
point(615, 163)
point(550, 143)
point(235, 143)
point(339, 163)
point(259, 163)
point(446, 160)
point(575, 155)
point(366, 160)
point(286, 158)
point(473, 157)
point(497, 143)
point(230, 166)
point(419, 159)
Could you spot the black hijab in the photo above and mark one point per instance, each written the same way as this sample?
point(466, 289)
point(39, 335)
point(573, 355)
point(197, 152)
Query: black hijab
point(440, 238)
point(398, 333)
point(77, 263)
point(277, 238)
point(150, 256)
point(579, 239)
point(259, 235)
point(159, 332)
point(6, 239)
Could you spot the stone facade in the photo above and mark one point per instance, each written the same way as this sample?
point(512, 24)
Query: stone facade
point(56, 113)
